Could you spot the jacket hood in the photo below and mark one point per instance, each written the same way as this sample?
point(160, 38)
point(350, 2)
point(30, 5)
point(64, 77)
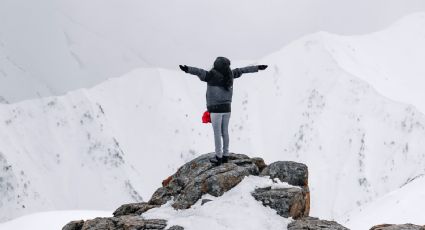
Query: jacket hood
point(221, 63)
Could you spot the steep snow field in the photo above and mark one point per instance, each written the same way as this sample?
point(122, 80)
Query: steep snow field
point(404, 205)
point(98, 148)
point(391, 60)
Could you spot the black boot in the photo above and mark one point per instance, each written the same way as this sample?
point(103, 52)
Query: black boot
point(225, 159)
point(216, 160)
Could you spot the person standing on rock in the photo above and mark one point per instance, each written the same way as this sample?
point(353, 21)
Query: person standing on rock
point(219, 98)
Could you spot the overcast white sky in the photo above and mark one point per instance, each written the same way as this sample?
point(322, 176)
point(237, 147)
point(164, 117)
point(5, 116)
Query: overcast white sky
point(195, 31)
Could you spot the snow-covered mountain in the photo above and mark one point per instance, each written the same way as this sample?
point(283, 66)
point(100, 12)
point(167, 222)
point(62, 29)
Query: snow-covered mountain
point(315, 104)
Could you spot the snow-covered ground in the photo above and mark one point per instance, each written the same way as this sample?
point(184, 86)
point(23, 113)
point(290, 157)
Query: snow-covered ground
point(52, 220)
point(114, 143)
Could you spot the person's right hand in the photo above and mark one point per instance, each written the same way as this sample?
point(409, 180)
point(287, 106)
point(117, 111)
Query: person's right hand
point(184, 68)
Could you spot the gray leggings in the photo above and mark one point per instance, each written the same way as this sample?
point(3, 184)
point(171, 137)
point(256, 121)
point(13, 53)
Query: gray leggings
point(220, 124)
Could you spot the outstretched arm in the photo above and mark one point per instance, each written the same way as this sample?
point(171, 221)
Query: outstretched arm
point(201, 73)
point(249, 69)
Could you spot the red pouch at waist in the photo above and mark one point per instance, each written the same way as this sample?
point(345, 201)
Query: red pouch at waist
point(206, 118)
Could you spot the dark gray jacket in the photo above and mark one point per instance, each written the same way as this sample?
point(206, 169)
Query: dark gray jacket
point(217, 95)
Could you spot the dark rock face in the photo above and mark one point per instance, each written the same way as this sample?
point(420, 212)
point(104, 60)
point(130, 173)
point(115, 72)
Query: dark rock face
point(288, 202)
point(204, 201)
point(176, 227)
point(398, 227)
point(133, 208)
point(199, 177)
point(74, 225)
point(312, 223)
point(288, 171)
point(128, 222)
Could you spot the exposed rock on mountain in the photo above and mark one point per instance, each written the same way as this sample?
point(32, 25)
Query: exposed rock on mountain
point(398, 227)
point(128, 222)
point(200, 176)
point(133, 208)
point(288, 171)
point(294, 202)
point(288, 202)
point(312, 223)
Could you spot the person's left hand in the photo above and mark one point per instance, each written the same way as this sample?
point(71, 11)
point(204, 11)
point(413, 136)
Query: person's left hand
point(262, 67)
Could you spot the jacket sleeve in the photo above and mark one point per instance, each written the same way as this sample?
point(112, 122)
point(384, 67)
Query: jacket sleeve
point(239, 71)
point(201, 73)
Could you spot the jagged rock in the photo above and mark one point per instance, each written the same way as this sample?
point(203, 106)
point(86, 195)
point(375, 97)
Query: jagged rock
point(294, 202)
point(200, 176)
point(176, 227)
point(133, 208)
point(312, 223)
point(74, 225)
point(204, 201)
point(128, 222)
point(288, 202)
point(259, 162)
point(398, 227)
point(288, 171)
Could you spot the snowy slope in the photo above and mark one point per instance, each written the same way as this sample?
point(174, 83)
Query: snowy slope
point(401, 206)
point(358, 144)
point(97, 148)
point(390, 60)
point(58, 153)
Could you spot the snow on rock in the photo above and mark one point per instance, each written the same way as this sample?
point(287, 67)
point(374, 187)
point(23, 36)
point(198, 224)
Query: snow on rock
point(236, 209)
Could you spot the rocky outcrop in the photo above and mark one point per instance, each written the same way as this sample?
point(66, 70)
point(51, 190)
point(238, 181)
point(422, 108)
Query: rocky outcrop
point(290, 172)
point(199, 177)
point(312, 223)
point(128, 222)
point(288, 202)
point(74, 225)
point(133, 208)
point(398, 227)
